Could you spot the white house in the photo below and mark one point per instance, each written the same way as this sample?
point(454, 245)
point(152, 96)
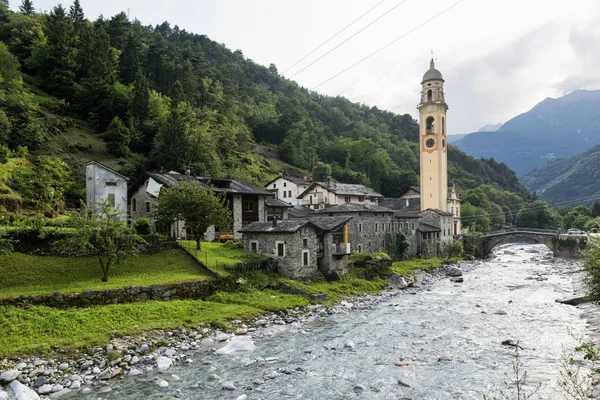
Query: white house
point(287, 188)
point(104, 183)
point(320, 195)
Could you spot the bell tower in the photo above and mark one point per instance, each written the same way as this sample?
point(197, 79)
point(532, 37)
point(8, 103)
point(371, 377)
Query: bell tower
point(432, 138)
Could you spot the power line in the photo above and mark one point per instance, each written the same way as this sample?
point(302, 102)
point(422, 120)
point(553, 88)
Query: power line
point(389, 44)
point(329, 52)
point(332, 37)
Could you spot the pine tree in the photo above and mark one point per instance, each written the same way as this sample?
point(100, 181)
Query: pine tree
point(141, 97)
point(117, 137)
point(76, 12)
point(27, 8)
point(5, 3)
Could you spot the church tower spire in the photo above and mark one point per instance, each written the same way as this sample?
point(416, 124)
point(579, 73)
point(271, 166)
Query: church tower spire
point(434, 158)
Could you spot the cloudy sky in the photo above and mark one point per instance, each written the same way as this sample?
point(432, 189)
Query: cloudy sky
point(498, 57)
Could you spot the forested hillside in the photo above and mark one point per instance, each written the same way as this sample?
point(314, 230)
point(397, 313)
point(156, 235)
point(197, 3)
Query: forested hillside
point(163, 98)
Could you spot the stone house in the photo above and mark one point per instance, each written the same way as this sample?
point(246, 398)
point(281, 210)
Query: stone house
point(104, 183)
point(287, 188)
point(369, 228)
point(435, 232)
point(277, 209)
point(246, 202)
point(412, 195)
point(320, 195)
point(302, 248)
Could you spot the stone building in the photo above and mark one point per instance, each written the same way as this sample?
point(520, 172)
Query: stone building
point(320, 195)
point(369, 228)
point(246, 202)
point(103, 183)
point(277, 209)
point(287, 188)
point(302, 248)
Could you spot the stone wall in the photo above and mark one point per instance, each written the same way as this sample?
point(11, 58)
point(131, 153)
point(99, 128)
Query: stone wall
point(129, 294)
point(367, 232)
point(332, 265)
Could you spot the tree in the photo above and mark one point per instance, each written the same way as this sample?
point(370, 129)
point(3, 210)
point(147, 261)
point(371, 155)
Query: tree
point(537, 215)
point(5, 3)
point(198, 206)
point(27, 8)
point(103, 234)
point(76, 12)
point(596, 209)
point(321, 172)
point(117, 137)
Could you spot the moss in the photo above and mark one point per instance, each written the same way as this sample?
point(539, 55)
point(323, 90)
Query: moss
point(362, 257)
point(407, 268)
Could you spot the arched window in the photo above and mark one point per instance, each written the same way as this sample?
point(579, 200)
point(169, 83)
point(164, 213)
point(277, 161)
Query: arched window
point(429, 95)
point(430, 124)
point(443, 126)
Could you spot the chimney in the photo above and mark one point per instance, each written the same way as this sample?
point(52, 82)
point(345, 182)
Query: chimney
point(304, 177)
point(274, 222)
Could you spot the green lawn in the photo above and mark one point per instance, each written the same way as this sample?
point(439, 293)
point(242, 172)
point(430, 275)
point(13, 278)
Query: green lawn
point(406, 268)
point(28, 274)
point(216, 256)
point(38, 329)
point(270, 300)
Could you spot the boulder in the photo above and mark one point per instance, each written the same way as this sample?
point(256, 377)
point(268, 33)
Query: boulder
point(22, 392)
point(63, 394)
point(163, 363)
point(228, 385)
point(221, 337)
point(237, 344)
point(45, 389)
point(397, 281)
point(9, 376)
point(163, 384)
point(457, 279)
point(453, 272)
point(3, 395)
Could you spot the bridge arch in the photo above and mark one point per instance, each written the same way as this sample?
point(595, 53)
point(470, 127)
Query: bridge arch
point(493, 239)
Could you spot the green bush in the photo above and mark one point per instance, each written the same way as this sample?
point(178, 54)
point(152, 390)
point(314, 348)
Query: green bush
point(38, 239)
point(234, 244)
point(455, 249)
point(142, 226)
point(3, 154)
point(22, 152)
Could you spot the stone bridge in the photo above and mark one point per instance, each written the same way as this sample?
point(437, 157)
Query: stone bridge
point(543, 236)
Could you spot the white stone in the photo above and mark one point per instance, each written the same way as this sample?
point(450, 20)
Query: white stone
point(20, 366)
point(134, 372)
point(75, 385)
point(9, 376)
point(63, 366)
point(163, 384)
point(3, 395)
point(96, 370)
point(170, 352)
point(45, 389)
point(86, 390)
point(163, 363)
point(237, 344)
point(22, 392)
point(242, 397)
point(57, 388)
point(227, 385)
point(221, 337)
point(62, 394)
point(350, 344)
point(134, 360)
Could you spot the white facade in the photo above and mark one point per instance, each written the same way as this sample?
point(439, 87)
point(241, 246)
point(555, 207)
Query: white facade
point(102, 183)
point(288, 190)
point(320, 196)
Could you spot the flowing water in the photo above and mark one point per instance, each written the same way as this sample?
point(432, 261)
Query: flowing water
point(450, 335)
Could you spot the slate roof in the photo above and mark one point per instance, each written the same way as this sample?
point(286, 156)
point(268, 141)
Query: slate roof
point(353, 207)
point(407, 214)
point(444, 213)
point(399, 204)
point(172, 179)
point(343, 189)
point(292, 225)
point(299, 211)
point(423, 227)
point(276, 203)
point(297, 181)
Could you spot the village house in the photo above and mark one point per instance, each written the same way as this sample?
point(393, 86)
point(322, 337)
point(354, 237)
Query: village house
point(435, 232)
point(247, 202)
point(369, 228)
point(320, 195)
point(302, 248)
point(103, 183)
point(287, 188)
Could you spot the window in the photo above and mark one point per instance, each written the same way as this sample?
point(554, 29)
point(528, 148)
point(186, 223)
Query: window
point(360, 227)
point(429, 95)
point(290, 194)
point(284, 184)
point(134, 205)
point(305, 243)
point(111, 183)
point(360, 248)
point(305, 258)
point(274, 186)
point(430, 125)
point(147, 206)
point(280, 249)
point(310, 198)
point(376, 226)
point(254, 246)
point(347, 199)
point(443, 126)
point(111, 199)
point(361, 198)
point(284, 194)
point(249, 207)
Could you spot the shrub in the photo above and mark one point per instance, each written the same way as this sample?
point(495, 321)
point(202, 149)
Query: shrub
point(455, 249)
point(142, 226)
point(3, 154)
point(234, 244)
point(22, 151)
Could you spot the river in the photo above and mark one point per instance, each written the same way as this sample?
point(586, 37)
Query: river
point(449, 334)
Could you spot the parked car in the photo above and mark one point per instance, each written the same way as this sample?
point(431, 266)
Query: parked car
point(575, 232)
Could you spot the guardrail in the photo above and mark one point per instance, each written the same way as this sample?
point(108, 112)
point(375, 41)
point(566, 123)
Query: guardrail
point(522, 230)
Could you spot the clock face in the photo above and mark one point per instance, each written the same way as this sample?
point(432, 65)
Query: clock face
point(430, 143)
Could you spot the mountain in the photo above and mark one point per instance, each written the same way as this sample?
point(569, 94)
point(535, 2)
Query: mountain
point(455, 138)
point(489, 128)
point(554, 128)
point(569, 181)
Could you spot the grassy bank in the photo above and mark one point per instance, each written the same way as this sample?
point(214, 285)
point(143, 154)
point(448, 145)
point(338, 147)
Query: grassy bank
point(216, 256)
point(38, 329)
point(24, 274)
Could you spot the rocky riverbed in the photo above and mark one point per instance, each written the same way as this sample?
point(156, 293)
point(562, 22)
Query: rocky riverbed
point(411, 342)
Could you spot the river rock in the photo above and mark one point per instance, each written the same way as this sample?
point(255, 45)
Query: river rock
point(170, 353)
point(350, 344)
point(454, 272)
point(163, 363)
point(242, 397)
point(459, 279)
point(3, 395)
point(45, 389)
point(400, 363)
point(221, 337)
point(237, 344)
point(134, 372)
point(397, 281)
point(20, 366)
point(402, 383)
point(9, 376)
point(228, 385)
point(57, 388)
point(105, 375)
point(22, 392)
point(63, 366)
point(63, 394)
point(75, 385)
point(163, 384)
